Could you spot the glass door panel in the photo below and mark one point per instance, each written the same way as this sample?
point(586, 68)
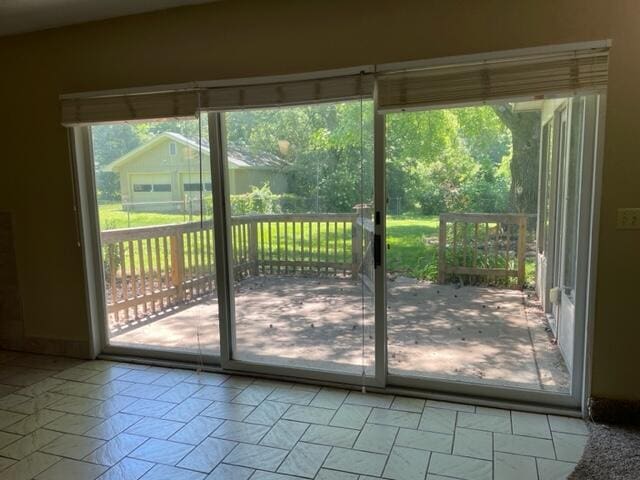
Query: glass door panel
point(153, 190)
point(568, 241)
point(462, 187)
point(300, 194)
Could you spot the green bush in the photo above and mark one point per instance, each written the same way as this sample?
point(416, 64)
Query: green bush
point(263, 201)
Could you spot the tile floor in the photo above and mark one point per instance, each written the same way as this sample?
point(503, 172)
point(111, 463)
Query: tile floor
point(66, 419)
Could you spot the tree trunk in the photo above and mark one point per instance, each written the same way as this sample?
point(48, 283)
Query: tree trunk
point(525, 160)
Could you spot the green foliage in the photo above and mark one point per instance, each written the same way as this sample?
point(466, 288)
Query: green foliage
point(448, 160)
point(325, 153)
point(258, 200)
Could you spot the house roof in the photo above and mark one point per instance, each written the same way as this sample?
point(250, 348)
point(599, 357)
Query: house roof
point(237, 157)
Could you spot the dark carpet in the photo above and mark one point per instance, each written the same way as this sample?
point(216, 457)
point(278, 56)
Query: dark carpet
point(612, 452)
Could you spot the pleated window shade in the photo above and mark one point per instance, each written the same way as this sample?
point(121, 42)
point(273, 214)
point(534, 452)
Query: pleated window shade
point(115, 108)
point(492, 81)
point(187, 103)
point(290, 93)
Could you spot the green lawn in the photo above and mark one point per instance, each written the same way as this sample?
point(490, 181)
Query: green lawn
point(412, 239)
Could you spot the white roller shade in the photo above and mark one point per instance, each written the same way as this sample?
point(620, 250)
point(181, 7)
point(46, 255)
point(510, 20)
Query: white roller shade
point(495, 80)
point(288, 93)
point(114, 108)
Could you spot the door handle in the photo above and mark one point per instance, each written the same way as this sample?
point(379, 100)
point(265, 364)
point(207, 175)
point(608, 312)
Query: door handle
point(377, 250)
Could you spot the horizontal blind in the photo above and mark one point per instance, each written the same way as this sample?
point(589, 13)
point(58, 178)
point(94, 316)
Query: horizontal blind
point(188, 102)
point(523, 78)
point(288, 93)
point(114, 108)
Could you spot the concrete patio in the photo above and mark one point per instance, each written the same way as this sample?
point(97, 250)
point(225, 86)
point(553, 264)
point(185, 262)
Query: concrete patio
point(473, 334)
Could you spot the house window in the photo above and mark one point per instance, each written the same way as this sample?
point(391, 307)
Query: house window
point(195, 187)
point(172, 149)
point(142, 187)
point(147, 187)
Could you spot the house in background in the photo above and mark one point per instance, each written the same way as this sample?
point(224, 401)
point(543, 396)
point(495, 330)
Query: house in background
point(164, 173)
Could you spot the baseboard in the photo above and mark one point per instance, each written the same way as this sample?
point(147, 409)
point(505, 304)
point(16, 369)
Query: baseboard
point(609, 410)
point(54, 346)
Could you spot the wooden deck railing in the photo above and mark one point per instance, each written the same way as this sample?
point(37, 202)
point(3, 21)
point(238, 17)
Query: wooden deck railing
point(151, 269)
point(482, 245)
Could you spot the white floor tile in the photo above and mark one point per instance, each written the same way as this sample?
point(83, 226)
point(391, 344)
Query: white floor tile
point(72, 423)
point(490, 423)
point(267, 413)
point(438, 420)
point(72, 446)
point(155, 428)
point(332, 436)
point(577, 426)
point(67, 469)
point(29, 467)
point(230, 472)
point(376, 438)
point(350, 416)
point(300, 413)
point(530, 424)
point(241, 432)
point(394, 418)
point(167, 472)
point(407, 404)
point(473, 443)
point(196, 430)
point(406, 464)
point(228, 411)
point(460, 407)
point(537, 447)
point(554, 469)
point(325, 474)
point(509, 467)
point(256, 456)
point(206, 456)
point(423, 440)
point(304, 460)
point(161, 451)
point(187, 410)
point(28, 444)
point(355, 461)
point(115, 449)
point(112, 426)
point(569, 447)
point(127, 469)
point(460, 467)
point(284, 434)
point(329, 398)
point(288, 395)
point(369, 399)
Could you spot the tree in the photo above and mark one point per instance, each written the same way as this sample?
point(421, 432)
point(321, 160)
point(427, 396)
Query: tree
point(525, 160)
point(109, 143)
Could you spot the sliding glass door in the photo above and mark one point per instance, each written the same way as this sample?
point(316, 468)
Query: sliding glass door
point(299, 220)
point(421, 227)
point(463, 215)
point(154, 215)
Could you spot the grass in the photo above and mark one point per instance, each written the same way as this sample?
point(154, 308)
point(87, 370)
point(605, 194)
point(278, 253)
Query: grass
point(412, 239)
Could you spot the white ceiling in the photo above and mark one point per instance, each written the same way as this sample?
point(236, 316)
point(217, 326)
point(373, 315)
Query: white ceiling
point(19, 16)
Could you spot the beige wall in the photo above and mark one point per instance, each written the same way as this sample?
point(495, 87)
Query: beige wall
point(236, 38)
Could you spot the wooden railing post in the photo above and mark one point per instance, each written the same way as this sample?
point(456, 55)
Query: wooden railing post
point(356, 247)
point(253, 247)
point(522, 246)
point(442, 250)
point(177, 264)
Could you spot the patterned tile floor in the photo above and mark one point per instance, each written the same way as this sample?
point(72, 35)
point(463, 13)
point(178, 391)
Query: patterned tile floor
point(66, 419)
